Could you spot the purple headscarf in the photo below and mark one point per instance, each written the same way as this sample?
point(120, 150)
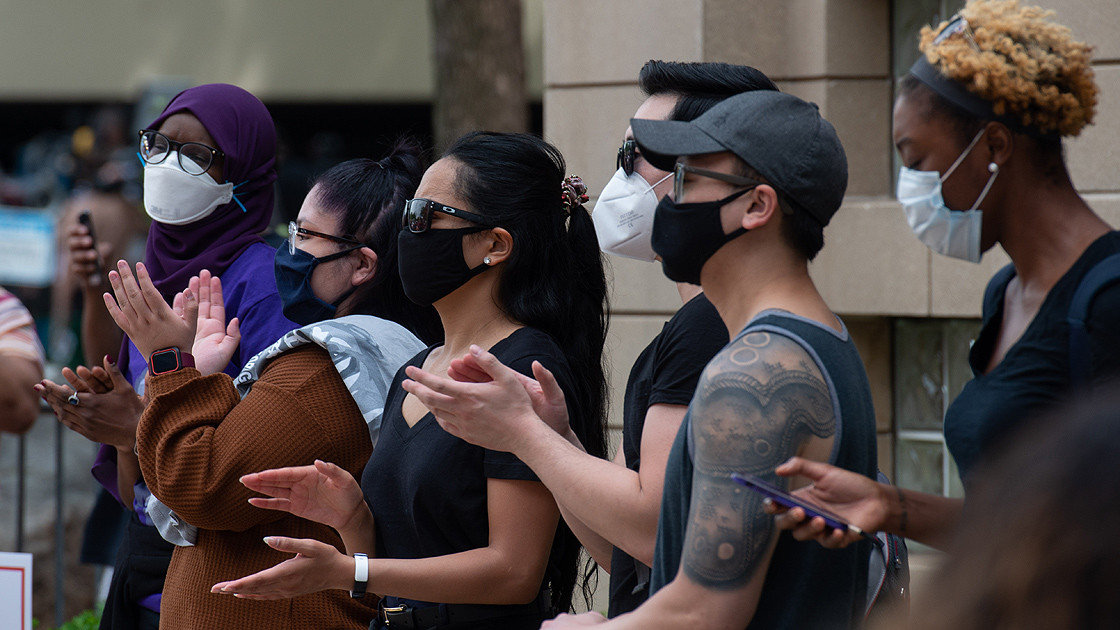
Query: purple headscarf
point(242, 128)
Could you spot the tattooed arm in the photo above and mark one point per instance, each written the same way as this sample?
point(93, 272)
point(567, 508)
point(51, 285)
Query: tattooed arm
point(759, 402)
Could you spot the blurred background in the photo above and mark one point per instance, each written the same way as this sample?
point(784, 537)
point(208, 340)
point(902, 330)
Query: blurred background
point(344, 78)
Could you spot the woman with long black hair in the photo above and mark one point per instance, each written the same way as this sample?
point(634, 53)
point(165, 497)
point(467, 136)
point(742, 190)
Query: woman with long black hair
point(458, 536)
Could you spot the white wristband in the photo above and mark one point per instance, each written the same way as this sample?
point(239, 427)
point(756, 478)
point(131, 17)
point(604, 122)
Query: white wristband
point(361, 575)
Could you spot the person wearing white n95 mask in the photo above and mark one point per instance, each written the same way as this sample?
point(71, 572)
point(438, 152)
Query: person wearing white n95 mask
point(623, 214)
point(175, 197)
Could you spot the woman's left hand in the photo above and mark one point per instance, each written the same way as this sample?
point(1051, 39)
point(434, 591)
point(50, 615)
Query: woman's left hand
point(144, 316)
point(574, 621)
point(316, 567)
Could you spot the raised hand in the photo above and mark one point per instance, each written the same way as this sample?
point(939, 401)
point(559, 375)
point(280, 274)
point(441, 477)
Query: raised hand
point(108, 409)
point(852, 496)
point(316, 567)
point(214, 340)
point(143, 315)
point(85, 261)
point(544, 391)
point(323, 493)
point(492, 414)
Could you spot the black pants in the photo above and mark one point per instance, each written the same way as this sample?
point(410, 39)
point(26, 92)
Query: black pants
point(141, 567)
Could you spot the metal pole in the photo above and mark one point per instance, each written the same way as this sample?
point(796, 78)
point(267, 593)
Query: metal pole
point(21, 481)
point(59, 531)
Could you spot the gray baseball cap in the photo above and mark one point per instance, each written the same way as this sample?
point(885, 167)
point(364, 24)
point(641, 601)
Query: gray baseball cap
point(779, 135)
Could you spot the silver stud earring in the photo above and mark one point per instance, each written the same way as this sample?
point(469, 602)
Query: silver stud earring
point(993, 168)
point(486, 260)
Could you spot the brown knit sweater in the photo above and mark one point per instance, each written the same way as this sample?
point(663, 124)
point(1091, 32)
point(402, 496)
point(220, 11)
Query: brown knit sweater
point(197, 437)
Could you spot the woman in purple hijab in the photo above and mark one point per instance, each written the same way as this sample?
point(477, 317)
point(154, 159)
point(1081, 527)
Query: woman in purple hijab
point(209, 168)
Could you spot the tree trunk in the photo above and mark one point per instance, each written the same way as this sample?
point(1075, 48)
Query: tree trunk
point(480, 68)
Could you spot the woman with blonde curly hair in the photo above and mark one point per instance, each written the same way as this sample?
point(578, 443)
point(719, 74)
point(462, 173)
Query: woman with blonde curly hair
point(979, 123)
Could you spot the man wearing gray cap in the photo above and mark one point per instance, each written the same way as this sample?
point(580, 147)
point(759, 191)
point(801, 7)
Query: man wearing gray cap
point(756, 179)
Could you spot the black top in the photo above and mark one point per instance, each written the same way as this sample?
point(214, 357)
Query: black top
point(664, 373)
point(427, 489)
point(806, 586)
point(1034, 375)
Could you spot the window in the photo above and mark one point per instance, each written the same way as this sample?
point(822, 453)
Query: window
point(930, 369)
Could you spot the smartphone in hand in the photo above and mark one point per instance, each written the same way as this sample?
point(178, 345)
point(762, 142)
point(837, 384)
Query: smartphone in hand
point(781, 497)
point(85, 219)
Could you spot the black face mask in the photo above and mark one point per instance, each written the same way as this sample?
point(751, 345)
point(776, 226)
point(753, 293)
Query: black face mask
point(431, 263)
point(293, 283)
point(686, 235)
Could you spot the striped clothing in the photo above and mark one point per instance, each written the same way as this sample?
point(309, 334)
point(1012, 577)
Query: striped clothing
point(17, 330)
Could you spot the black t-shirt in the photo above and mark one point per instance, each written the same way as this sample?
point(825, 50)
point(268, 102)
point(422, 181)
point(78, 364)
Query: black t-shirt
point(427, 489)
point(1034, 376)
point(806, 586)
point(666, 373)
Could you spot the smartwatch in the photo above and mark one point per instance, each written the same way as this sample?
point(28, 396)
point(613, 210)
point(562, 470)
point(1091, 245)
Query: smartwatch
point(361, 575)
point(169, 360)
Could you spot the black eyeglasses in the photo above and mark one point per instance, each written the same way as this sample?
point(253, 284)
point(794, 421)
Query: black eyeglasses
point(627, 153)
point(194, 157)
point(680, 170)
point(957, 25)
point(417, 215)
point(294, 231)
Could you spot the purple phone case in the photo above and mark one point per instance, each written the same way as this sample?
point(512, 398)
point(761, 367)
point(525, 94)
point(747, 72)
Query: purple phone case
point(781, 497)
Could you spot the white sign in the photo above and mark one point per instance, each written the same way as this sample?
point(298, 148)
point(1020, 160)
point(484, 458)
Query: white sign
point(15, 591)
point(27, 256)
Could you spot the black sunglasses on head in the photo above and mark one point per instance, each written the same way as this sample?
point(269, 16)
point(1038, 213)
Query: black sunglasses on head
point(417, 215)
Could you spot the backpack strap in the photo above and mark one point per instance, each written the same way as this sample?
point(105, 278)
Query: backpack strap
point(1103, 274)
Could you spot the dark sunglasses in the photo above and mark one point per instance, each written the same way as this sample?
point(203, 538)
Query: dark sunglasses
point(627, 153)
point(417, 215)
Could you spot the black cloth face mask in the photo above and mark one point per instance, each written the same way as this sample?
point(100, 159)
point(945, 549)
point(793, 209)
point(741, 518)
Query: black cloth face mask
point(431, 263)
point(293, 283)
point(686, 235)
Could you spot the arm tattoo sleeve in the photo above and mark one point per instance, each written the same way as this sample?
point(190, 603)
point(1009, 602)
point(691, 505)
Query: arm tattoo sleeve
point(758, 401)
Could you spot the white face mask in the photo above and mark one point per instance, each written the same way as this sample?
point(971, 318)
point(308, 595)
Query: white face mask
point(175, 197)
point(948, 232)
point(623, 216)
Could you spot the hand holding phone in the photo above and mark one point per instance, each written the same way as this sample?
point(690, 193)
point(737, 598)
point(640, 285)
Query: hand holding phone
point(85, 219)
point(781, 497)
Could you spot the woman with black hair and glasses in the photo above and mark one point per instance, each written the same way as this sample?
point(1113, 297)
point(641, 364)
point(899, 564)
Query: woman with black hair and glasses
point(449, 534)
point(317, 392)
point(979, 123)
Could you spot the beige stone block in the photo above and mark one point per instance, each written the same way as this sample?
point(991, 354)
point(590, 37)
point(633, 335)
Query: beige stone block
point(871, 263)
point(800, 38)
point(641, 287)
point(860, 110)
point(885, 447)
point(627, 337)
point(587, 124)
point(957, 286)
point(759, 33)
point(1094, 155)
point(1107, 205)
point(607, 41)
point(1092, 21)
point(872, 336)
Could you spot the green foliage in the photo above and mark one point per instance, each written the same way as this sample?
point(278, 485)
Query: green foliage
point(86, 620)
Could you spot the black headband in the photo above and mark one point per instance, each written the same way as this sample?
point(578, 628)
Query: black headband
point(959, 96)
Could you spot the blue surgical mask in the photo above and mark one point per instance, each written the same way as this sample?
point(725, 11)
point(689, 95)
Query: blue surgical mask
point(953, 233)
point(293, 283)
